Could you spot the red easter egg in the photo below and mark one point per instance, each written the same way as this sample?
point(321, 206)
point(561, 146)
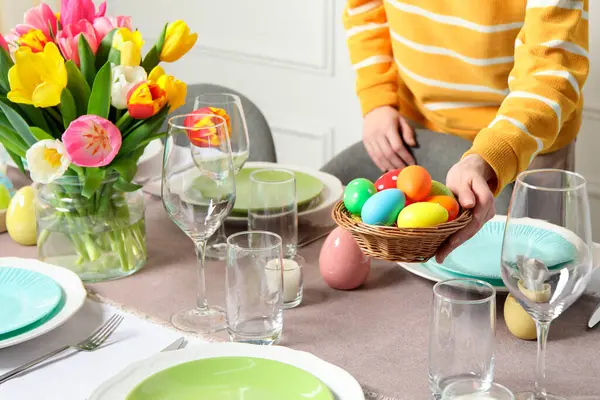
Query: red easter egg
point(342, 264)
point(387, 180)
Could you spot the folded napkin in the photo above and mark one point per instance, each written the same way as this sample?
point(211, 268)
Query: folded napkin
point(74, 376)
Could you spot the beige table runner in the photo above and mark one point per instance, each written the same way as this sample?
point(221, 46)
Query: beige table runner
point(378, 333)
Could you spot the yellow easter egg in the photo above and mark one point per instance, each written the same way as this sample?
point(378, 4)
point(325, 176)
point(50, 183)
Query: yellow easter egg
point(518, 321)
point(20, 217)
point(422, 215)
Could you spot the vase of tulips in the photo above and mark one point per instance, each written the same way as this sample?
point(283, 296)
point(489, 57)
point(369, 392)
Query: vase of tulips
point(79, 103)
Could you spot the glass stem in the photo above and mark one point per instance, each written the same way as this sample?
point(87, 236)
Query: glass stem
point(539, 392)
point(201, 302)
point(221, 236)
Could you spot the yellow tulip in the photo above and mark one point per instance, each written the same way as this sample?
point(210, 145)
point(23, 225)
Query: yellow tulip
point(130, 45)
point(35, 40)
point(178, 41)
point(176, 90)
point(37, 78)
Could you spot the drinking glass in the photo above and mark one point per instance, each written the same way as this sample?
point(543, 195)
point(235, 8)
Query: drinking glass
point(198, 196)
point(240, 147)
point(470, 389)
point(549, 269)
point(462, 336)
point(273, 206)
point(254, 287)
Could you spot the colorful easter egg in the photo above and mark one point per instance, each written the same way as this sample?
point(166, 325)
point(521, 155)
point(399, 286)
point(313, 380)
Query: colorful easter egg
point(449, 203)
point(341, 262)
point(388, 180)
point(415, 182)
point(422, 215)
point(357, 193)
point(439, 189)
point(383, 207)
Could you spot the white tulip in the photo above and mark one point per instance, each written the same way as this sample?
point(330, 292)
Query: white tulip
point(47, 160)
point(123, 79)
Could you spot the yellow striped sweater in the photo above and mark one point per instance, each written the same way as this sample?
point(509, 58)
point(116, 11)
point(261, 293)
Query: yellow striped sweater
point(506, 74)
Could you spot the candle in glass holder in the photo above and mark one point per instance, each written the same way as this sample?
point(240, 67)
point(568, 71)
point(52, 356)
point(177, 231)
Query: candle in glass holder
point(292, 279)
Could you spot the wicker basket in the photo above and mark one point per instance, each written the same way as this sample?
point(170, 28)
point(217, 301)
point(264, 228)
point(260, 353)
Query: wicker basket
point(398, 244)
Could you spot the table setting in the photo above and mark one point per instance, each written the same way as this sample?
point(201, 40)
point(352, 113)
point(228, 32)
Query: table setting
point(137, 263)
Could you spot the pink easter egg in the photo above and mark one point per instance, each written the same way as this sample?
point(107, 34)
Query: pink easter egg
point(342, 264)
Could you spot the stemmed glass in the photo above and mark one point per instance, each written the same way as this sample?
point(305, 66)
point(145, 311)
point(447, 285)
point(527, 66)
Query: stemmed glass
point(240, 146)
point(198, 192)
point(546, 252)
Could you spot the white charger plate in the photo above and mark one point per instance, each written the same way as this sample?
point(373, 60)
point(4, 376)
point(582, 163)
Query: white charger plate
point(341, 383)
point(74, 295)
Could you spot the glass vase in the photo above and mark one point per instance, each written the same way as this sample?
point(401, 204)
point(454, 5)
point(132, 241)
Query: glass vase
point(99, 235)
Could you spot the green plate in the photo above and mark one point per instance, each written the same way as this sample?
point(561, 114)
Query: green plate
point(231, 378)
point(308, 188)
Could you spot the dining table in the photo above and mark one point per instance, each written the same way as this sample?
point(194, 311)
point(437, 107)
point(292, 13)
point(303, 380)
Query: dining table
point(378, 332)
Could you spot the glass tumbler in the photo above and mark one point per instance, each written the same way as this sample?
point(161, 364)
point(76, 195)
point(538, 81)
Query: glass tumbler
point(462, 335)
point(254, 287)
point(471, 389)
point(273, 206)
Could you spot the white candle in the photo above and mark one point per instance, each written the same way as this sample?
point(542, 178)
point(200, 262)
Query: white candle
point(292, 278)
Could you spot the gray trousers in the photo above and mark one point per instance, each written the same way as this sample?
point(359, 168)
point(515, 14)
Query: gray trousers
point(437, 153)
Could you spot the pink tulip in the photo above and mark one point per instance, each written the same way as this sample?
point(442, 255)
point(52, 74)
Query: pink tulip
point(68, 39)
point(72, 11)
point(3, 43)
point(40, 17)
point(92, 141)
point(103, 25)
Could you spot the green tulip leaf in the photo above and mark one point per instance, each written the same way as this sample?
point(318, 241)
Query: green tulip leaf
point(141, 133)
point(104, 49)
point(125, 186)
point(86, 60)
point(35, 116)
point(78, 87)
point(68, 109)
point(12, 142)
point(100, 98)
point(18, 123)
point(161, 40)
point(93, 179)
point(149, 139)
point(126, 167)
point(40, 134)
point(5, 64)
point(151, 60)
point(114, 57)
point(18, 160)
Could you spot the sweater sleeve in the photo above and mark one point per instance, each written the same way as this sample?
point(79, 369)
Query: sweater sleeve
point(370, 48)
point(550, 68)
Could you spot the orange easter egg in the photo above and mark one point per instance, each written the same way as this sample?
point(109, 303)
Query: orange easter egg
point(415, 182)
point(449, 203)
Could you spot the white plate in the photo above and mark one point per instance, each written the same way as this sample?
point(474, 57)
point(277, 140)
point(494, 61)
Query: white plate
point(73, 292)
point(341, 383)
point(437, 274)
point(316, 216)
point(152, 150)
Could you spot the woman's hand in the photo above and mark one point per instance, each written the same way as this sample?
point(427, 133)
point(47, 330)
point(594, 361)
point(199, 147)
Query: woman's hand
point(385, 133)
point(470, 180)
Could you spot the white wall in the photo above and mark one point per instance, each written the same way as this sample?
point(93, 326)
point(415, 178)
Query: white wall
point(290, 57)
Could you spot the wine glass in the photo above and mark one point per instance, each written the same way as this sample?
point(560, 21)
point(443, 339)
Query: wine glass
point(240, 146)
point(546, 252)
point(198, 192)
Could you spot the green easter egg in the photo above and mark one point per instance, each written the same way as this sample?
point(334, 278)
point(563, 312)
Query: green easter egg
point(4, 197)
point(357, 193)
point(439, 189)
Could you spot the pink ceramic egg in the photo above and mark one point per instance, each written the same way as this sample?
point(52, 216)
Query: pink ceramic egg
point(387, 180)
point(342, 263)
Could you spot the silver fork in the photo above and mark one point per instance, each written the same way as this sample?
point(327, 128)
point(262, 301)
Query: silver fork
point(93, 342)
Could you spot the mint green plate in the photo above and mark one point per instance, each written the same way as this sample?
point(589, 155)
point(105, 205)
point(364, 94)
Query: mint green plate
point(231, 378)
point(25, 297)
point(308, 188)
